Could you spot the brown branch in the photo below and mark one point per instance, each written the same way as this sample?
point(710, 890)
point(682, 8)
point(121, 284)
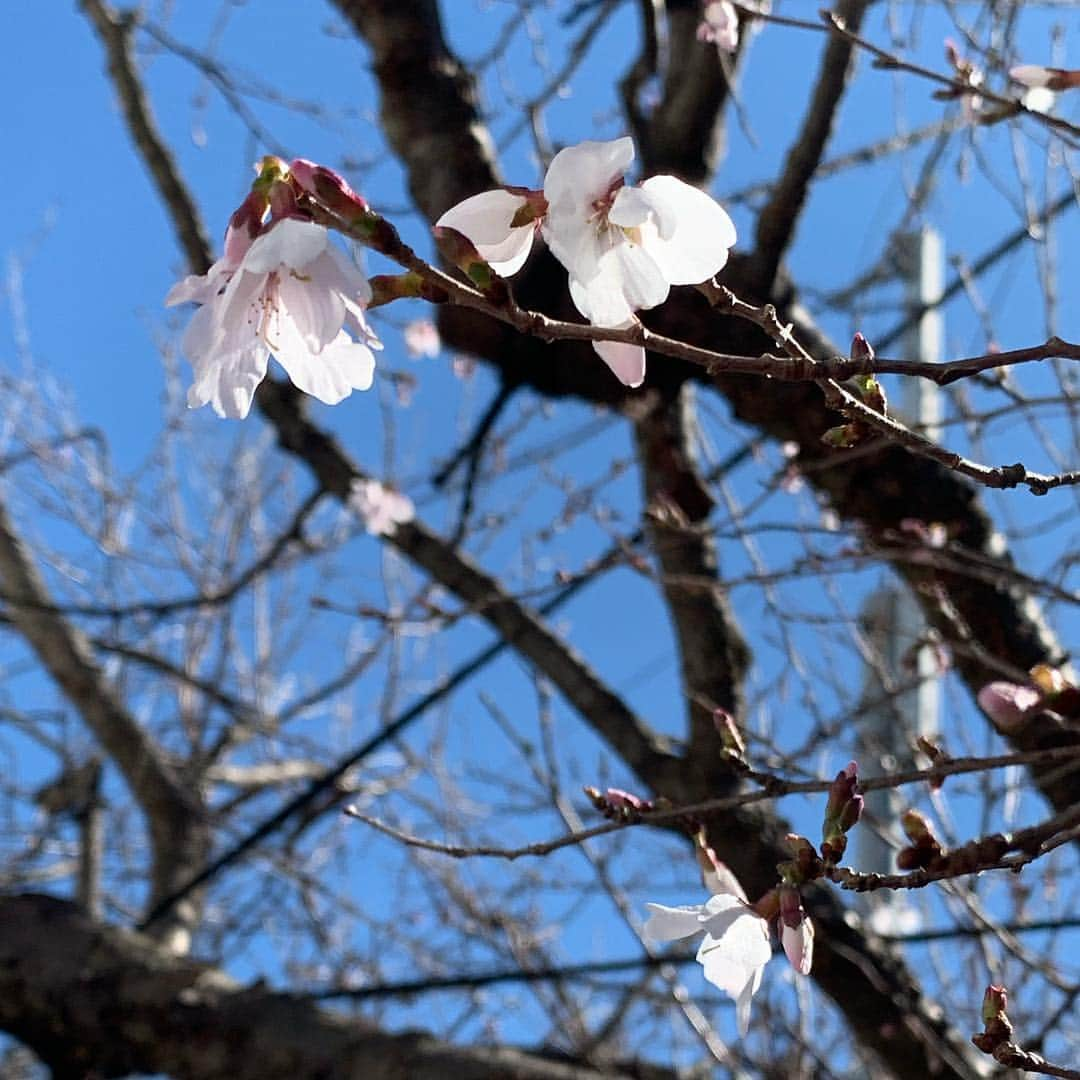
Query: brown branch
point(428, 109)
point(114, 32)
point(713, 655)
point(173, 811)
point(683, 133)
point(773, 788)
point(95, 1000)
point(428, 126)
point(1000, 851)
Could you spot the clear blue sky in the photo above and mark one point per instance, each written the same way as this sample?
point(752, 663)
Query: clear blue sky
point(89, 253)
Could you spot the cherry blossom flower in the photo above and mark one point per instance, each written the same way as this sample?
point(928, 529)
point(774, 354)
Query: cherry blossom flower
point(289, 292)
point(381, 509)
point(720, 25)
point(422, 339)
point(1042, 84)
point(734, 950)
point(623, 246)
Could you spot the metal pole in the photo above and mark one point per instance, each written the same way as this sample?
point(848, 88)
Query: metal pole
point(892, 718)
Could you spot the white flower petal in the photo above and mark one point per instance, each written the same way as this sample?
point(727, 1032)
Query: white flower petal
point(625, 279)
point(198, 288)
point(580, 174)
point(735, 949)
point(1032, 75)
point(642, 279)
point(339, 272)
point(1039, 99)
point(229, 380)
point(507, 258)
point(720, 881)
point(696, 235)
point(626, 361)
point(330, 375)
point(291, 242)
point(671, 923)
point(486, 220)
point(316, 310)
point(742, 1002)
point(201, 335)
point(632, 207)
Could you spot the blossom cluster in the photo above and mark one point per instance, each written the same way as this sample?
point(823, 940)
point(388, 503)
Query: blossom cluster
point(624, 246)
point(282, 288)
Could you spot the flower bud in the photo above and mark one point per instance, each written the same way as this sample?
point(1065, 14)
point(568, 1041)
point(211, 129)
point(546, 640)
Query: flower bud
point(916, 826)
point(618, 804)
point(925, 847)
point(244, 225)
point(995, 1003)
point(872, 393)
point(798, 944)
point(861, 349)
point(1008, 704)
point(458, 249)
point(842, 813)
point(386, 288)
point(845, 436)
point(842, 789)
point(791, 909)
point(330, 188)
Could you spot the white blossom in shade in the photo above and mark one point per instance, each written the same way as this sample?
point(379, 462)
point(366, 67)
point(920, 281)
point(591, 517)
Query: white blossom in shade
point(290, 293)
point(381, 509)
point(625, 246)
point(487, 220)
point(734, 950)
point(720, 25)
point(798, 943)
point(422, 339)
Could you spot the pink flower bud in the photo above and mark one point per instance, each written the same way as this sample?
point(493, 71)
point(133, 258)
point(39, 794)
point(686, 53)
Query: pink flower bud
point(328, 186)
point(791, 909)
point(244, 225)
point(1008, 704)
point(618, 799)
point(798, 943)
point(861, 349)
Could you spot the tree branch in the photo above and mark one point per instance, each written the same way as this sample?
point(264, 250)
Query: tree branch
point(174, 813)
point(95, 1000)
